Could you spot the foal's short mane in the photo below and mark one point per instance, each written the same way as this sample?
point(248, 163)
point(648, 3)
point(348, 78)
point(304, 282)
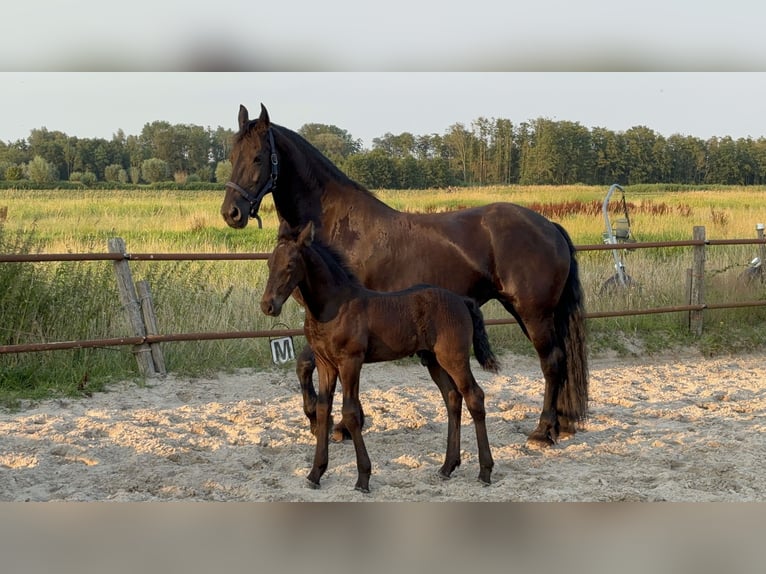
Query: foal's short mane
point(332, 257)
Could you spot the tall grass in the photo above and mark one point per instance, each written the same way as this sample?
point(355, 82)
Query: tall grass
point(71, 300)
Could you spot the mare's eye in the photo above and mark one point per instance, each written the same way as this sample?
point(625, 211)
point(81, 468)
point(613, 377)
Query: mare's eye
point(257, 160)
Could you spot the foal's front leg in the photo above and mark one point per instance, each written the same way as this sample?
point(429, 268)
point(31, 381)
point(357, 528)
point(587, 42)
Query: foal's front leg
point(328, 377)
point(304, 368)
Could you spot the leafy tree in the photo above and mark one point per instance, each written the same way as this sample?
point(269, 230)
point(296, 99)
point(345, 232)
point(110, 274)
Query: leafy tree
point(15, 153)
point(334, 142)
point(411, 174)
point(40, 170)
point(88, 178)
point(640, 166)
point(50, 146)
point(154, 170)
point(608, 167)
point(14, 172)
point(396, 146)
point(204, 173)
point(223, 171)
point(220, 144)
point(112, 172)
point(459, 143)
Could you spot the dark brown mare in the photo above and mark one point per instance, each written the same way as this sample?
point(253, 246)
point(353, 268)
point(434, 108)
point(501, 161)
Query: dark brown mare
point(348, 325)
point(499, 251)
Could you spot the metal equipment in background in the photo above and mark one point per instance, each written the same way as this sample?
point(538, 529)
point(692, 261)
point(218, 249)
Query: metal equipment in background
point(617, 232)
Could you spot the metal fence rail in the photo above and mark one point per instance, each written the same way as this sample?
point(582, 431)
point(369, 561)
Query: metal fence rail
point(151, 339)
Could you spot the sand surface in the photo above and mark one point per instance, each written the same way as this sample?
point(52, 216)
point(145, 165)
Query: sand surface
point(671, 428)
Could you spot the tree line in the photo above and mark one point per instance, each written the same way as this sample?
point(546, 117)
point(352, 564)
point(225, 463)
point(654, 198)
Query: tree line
point(488, 151)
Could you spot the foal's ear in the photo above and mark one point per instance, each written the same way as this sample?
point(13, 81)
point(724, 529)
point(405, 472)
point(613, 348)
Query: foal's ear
point(263, 119)
point(306, 236)
point(244, 118)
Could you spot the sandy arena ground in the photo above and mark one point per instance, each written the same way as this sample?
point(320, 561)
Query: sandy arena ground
point(671, 428)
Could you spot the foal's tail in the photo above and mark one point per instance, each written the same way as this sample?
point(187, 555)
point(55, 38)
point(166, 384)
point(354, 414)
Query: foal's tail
point(570, 330)
point(481, 347)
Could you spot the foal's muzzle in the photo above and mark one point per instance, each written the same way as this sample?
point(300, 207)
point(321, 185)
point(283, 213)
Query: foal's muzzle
point(271, 307)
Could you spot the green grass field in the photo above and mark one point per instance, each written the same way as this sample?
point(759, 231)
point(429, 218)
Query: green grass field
point(68, 301)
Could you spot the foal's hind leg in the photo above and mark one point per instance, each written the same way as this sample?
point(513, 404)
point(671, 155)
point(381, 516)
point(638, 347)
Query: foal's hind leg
point(304, 368)
point(352, 420)
point(474, 400)
point(328, 377)
point(453, 400)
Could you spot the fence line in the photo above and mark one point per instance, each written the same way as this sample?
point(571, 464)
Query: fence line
point(143, 341)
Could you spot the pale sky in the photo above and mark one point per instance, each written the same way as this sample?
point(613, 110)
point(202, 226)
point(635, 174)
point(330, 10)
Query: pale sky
point(675, 66)
point(367, 105)
point(412, 35)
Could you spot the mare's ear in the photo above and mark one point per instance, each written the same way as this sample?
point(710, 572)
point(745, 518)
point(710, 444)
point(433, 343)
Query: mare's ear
point(263, 119)
point(306, 236)
point(244, 118)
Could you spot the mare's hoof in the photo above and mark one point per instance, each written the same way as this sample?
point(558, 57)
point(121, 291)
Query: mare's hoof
point(364, 489)
point(541, 438)
point(567, 427)
point(444, 475)
point(311, 484)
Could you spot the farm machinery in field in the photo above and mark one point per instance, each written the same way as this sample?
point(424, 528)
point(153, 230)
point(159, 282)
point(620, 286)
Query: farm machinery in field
point(617, 233)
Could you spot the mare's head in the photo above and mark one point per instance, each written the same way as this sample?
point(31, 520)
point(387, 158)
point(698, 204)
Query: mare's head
point(254, 169)
point(287, 267)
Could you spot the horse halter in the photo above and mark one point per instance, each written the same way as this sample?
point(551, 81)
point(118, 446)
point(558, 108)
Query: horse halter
point(270, 185)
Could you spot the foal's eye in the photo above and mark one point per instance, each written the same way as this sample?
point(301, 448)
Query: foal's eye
point(257, 160)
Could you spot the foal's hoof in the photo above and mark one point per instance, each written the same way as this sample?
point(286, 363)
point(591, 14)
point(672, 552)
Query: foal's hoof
point(364, 489)
point(311, 484)
point(340, 433)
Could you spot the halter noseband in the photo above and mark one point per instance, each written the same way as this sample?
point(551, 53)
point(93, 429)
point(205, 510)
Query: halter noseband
point(270, 185)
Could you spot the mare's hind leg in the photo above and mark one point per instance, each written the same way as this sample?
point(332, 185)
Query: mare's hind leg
point(453, 400)
point(553, 364)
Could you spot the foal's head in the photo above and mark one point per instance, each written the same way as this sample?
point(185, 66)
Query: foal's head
point(286, 268)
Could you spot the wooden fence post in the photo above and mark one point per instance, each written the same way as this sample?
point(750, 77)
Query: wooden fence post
point(697, 287)
point(132, 307)
point(150, 324)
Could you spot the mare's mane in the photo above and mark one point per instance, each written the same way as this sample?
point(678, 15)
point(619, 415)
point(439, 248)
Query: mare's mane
point(311, 164)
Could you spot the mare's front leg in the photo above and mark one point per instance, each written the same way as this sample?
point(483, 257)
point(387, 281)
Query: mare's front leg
point(304, 368)
point(454, 403)
point(353, 418)
point(328, 376)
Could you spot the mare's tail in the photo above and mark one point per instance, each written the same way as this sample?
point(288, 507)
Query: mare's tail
point(570, 330)
point(481, 347)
